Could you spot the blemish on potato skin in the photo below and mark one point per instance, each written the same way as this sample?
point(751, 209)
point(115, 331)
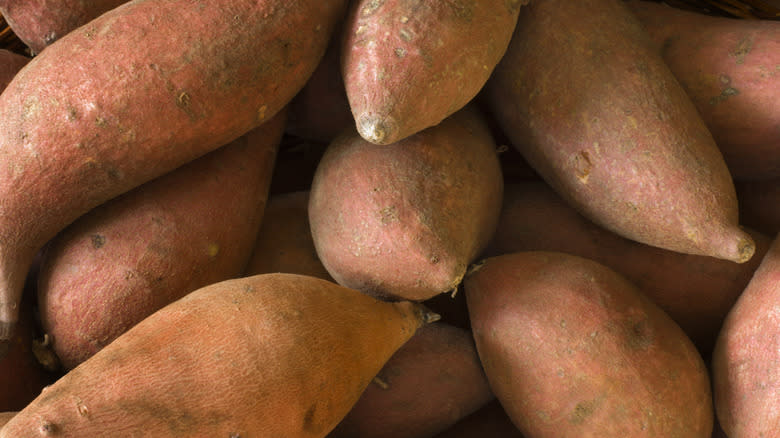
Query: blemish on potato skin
point(583, 166)
point(581, 412)
point(98, 240)
point(743, 48)
point(371, 7)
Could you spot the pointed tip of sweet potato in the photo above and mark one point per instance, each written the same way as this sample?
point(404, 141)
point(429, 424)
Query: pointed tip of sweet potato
point(377, 130)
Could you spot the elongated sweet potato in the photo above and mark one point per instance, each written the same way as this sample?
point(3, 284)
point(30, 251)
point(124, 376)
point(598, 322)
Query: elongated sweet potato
point(746, 360)
point(131, 256)
point(696, 291)
point(408, 64)
point(572, 349)
point(133, 94)
point(269, 355)
point(405, 221)
point(731, 70)
point(284, 242)
point(431, 382)
point(39, 23)
point(601, 118)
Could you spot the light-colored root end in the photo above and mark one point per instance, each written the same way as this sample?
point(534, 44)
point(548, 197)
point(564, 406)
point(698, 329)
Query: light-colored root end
point(377, 130)
point(429, 316)
point(745, 249)
point(6, 330)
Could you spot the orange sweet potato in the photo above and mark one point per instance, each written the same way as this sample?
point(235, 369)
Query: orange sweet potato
point(431, 382)
point(405, 221)
point(39, 23)
point(572, 349)
point(746, 360)
point(696, 291)
point(276, 355)
point(602, 119)
point(133, 94)
point(408, 64)
point(131, 256)
point(284, 242)
point(731, 70)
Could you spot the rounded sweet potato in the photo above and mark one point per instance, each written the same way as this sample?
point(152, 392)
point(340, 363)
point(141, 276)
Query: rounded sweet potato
point(431, 382)
point(276, 355)
point(731, 70)
point(284, 242)
point(404, 221)
point(746, 360)
point(134, 254)
point(134, 94)
point(39, 23)
point(602, 119)
point(572, 349)
point(408, 64)
point(696, 291)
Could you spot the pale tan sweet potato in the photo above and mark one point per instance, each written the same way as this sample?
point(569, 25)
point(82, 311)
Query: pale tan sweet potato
point(408, 64)
point(405, 221)
point(276, 355)
point(573, 350)
point(696, 291)
point(133, 94)
point(746, 360)
point(731, 70)
point(132, 255)
point(431, 382)
point(39, 23)
point(598, 114)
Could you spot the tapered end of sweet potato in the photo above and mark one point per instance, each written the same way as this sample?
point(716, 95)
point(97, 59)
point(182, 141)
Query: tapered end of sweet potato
point(738, 246)
point(6, 332)
point(377, 130)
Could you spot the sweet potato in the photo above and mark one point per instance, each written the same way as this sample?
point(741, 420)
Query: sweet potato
point(572, 349)
point(39, 23)
point(759, 203)
point(405, 221)
point(284, 242)
point(5, 417)
point(408, 64)
point(746, 360)
point(696, 291)
point(131, 256)
point(276, 355)
point(489, 421)
point(601, 118)
point(431, 382)
point(731, 70)
point(134, 94)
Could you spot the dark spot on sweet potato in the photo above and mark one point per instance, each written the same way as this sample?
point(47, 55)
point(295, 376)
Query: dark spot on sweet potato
point(583, 166)
point(639, 334)
point(581, 412)
point(308, 418)
point(724, 94)
point(98, 241)
point(463, 9)
point(48, 428)
point(388, 214)
point(743, 48)
point(371, 7)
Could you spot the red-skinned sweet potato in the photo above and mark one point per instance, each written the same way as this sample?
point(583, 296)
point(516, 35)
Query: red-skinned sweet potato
point(39, 23)
point(731, 70)
point(408, 64)
point(405, 221)
point(746, 360)
point(431, 382)
point(599, 115)
point(696, 291)
point(268, 355)
point(132, 255)
point(134, 94)
point(284, 242)
point(572, 349)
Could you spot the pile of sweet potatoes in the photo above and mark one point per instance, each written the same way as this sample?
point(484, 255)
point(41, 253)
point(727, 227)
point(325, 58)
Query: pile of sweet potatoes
point(388, 218)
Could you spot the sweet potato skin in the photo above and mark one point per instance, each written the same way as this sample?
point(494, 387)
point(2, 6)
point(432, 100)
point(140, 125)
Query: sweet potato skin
point(731, 70)
point(746, 356)
point(134, 254)
point(572, 349)
point(284, 242)
point(696, 291)
point(408, 64)
point(268, 355)
point(606, 124)
point(5, 417)
point(39, 23)
point(431, 382)
point(134, 94)
point(404, 221)
point(10, 64)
